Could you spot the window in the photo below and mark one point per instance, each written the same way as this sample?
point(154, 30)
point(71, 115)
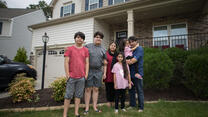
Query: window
point(61, 52)
point(52, 52)
point(1, 25)
point(177, 33)
point(67, 10)
point(118, 1)
point(93, 4)
point(111, 2)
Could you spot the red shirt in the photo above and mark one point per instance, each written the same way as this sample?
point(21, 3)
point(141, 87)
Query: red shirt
point(109, 74)
point(77, 61)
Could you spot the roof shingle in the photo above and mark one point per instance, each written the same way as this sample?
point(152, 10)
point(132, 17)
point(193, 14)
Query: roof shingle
point(8, 13)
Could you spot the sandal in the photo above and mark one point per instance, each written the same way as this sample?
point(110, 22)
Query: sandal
point(98, 111)
point(77, 116)
point(86, 112)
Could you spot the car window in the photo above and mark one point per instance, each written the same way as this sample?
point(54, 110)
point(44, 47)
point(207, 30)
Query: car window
point(1, 59)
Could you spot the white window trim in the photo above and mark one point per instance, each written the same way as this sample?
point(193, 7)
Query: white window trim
point(70, 10)
point(92, 4)
point(169, 31)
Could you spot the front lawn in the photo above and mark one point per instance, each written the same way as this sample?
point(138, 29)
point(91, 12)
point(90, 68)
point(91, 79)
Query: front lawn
point(159, 109)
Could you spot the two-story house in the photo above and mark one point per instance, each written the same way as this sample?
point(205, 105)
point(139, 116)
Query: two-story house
point(117, 19)
point(14, 31)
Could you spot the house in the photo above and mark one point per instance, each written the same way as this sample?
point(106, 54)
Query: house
point(14, 31)
point(158, 23)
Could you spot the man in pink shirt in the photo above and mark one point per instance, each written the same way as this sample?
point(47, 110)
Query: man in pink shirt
point(76, 65)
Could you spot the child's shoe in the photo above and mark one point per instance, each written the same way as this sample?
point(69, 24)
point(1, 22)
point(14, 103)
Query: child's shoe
point(124, 110)
point(116, 111)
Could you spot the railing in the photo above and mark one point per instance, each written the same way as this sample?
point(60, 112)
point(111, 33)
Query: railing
point(187, 41)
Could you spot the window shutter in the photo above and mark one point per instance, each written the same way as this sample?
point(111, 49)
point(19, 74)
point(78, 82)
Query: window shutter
point(100, 3)
point(1, 27)
point(110, 2)
point(86, 5)
point(73, 8)
point(61, 13)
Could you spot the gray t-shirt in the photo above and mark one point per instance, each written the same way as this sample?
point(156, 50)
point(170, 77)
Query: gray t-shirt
point(97, 55)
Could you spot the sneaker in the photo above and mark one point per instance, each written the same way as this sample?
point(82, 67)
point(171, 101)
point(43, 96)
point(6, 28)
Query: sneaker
point(140, 110)
point(129, 108)
point(124, 110)
point(116, 111)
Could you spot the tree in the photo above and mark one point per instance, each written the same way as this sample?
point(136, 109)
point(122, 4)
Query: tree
point(21, 56)
point(44, 6)
point(3, 4)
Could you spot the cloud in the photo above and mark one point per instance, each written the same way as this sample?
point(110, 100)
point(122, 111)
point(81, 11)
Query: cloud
point(22, 3)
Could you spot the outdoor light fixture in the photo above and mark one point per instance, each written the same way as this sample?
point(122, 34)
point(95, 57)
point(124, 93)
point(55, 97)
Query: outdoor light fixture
point(45, 40)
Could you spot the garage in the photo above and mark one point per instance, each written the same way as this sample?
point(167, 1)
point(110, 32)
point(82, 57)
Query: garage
point(54, 66)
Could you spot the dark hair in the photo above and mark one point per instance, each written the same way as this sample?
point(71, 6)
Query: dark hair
point(98, 33)
point(81, 34)
point(122, 45)
point(124, 65)
point(110, 45)
point(132, 38)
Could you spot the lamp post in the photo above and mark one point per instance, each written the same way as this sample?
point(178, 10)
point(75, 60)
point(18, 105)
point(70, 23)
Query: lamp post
point(45, 39)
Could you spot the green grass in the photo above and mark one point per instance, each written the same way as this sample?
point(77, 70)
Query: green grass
point(160, 109)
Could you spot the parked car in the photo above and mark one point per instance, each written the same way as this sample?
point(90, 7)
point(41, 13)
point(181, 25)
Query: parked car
point(9, 69)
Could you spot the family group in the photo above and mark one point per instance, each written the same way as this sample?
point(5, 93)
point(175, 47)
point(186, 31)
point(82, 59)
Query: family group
point(87, 67)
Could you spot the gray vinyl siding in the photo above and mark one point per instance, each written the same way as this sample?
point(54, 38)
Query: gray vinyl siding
point(20, 35)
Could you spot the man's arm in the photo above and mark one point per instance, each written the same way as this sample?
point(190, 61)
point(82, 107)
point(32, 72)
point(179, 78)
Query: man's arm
point(138, 54)
point(66, 66)
point(104, 68)
point(87, 67)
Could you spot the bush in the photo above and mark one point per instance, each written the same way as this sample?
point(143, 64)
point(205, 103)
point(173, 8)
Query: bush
point(151, 50)
point(22, 88)
point(59, 87)
point(158, 70)
point(198, 51)
point(195, 70)
point(178, 56)
point(21, 56)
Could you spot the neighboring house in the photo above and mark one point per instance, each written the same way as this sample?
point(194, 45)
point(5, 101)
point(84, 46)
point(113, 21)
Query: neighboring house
point(117, 19)
point(14, 31)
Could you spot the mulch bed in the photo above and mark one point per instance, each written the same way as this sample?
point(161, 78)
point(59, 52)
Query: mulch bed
point(173, 93)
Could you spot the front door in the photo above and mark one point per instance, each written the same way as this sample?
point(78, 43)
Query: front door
point(120, 36)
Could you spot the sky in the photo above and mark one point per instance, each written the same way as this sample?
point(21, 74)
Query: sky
point(22, 3)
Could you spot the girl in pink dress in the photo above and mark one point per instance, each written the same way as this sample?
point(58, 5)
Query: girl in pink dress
point(122, 81)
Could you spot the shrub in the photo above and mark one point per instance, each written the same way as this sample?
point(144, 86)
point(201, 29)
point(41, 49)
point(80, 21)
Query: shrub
point(178, 56)
point(158, 70)
point(195, 70)
point(151, 50)
point(22, 88)
point(21, 56)
point(198, 51)
point(59, 87)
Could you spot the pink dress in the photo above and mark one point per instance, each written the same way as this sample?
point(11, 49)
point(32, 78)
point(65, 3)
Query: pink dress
point(127, 51)
point(121, 82)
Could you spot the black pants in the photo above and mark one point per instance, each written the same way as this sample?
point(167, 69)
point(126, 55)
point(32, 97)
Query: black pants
point(120, 94)
point(110, 91)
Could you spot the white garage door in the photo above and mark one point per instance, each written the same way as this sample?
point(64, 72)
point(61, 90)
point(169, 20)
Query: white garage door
point(54, 66)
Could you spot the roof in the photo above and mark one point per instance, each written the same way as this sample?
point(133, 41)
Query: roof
point(8, 13)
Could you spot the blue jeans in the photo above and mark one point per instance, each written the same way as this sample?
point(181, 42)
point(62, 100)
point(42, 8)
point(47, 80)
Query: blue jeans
point(138, 85)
